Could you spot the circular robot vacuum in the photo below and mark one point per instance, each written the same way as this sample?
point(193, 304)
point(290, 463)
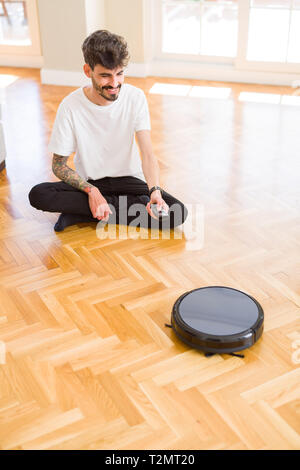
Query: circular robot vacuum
point(217, 319)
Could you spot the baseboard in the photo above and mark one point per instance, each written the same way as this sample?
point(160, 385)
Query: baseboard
point(63, 77)
point(178, 69)
point(219, 73)
point(69, 78)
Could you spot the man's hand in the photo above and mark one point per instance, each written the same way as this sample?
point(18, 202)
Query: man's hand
point(98, 205)
point(156, 198)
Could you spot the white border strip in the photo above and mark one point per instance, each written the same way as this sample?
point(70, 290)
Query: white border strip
point(177, 69)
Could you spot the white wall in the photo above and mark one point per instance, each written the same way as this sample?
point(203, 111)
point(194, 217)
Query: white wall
point(63, 29)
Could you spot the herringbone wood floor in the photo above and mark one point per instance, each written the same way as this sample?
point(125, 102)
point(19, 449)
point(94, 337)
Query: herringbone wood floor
point(89, 362)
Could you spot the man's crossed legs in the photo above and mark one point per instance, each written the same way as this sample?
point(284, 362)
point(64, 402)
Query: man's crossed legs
point(74, 207)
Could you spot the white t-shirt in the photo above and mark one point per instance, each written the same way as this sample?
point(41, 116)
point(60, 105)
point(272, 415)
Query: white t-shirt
point(101, 136)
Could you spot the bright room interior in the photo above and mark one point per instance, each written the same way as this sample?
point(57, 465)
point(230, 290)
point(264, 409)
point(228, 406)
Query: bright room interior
point(86, 359)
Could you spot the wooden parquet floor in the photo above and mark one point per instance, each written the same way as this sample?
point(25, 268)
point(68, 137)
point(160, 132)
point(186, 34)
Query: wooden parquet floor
point(88, 362)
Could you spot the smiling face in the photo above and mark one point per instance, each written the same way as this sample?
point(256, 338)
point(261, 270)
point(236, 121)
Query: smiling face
point(106, 83)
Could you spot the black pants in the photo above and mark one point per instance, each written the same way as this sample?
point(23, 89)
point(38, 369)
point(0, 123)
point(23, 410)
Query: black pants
point(62, 197)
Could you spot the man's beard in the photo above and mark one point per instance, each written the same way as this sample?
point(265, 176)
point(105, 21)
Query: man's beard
point(102, 91)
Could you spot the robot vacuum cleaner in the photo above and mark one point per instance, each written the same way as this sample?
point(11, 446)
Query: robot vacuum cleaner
point(217, 319)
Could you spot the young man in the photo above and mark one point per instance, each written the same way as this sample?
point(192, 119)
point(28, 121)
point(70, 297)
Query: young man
point(99, 122)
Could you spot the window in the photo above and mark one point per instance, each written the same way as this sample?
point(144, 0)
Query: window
point(249, 34)
point(200, 27)
point(19, 31)
point(274, 31)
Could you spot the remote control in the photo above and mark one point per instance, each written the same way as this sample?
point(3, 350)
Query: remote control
point(160, 214)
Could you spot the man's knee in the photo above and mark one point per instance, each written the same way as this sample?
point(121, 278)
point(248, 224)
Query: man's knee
point(184, 213)
point(37, 195)
point(181, 215)
point(177, 214)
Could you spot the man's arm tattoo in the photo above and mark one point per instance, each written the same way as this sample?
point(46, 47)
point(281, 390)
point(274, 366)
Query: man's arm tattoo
point(66, 174)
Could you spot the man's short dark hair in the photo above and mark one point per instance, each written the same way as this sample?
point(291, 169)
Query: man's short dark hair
point(106, 49)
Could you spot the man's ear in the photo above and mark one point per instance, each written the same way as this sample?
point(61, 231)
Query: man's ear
point(87, 70)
